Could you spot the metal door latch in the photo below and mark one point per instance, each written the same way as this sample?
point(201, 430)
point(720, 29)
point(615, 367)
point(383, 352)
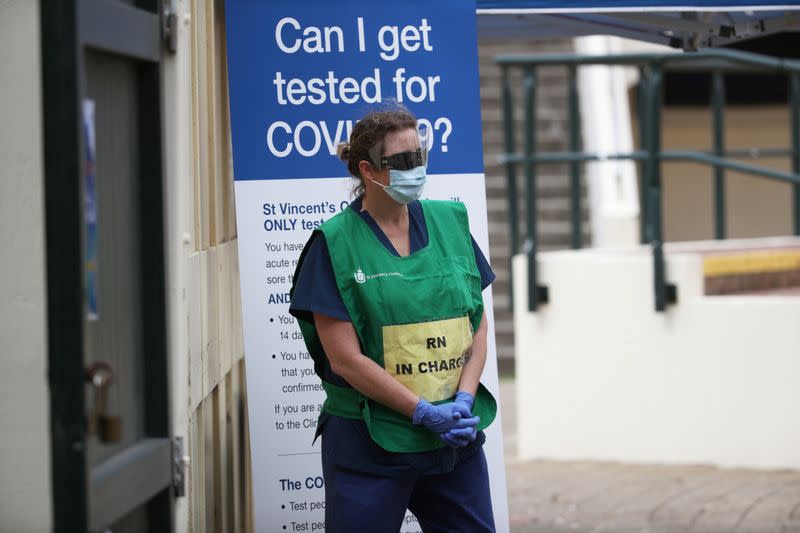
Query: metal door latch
point(108, 428)
point(169, 27)
point(180, 461)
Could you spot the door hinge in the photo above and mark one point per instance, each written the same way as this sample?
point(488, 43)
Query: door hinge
point(180, 462)
point(169, 27)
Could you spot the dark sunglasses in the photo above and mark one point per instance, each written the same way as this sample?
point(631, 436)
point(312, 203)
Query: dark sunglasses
point(403, 160)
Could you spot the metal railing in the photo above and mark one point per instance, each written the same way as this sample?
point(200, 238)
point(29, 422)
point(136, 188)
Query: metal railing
point(651, 67)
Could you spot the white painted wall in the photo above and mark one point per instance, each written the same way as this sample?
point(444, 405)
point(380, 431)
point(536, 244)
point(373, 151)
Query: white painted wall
point(606, 129)
point(603, 376)
point(25, 473)
point(607, 114)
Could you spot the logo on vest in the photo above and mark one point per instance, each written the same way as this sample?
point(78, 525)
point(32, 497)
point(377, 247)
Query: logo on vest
point(363, 278)
point(359, 275)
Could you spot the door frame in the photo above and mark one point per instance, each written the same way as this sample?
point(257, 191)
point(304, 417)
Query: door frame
point(68, 28)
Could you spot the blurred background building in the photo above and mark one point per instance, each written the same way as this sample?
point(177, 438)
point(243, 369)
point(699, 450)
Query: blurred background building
point(156, 438)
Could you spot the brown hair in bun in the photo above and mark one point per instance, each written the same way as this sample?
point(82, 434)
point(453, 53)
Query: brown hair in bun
point(343, 151)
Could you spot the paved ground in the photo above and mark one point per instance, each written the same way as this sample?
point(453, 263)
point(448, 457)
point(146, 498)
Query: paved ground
point(583, 497)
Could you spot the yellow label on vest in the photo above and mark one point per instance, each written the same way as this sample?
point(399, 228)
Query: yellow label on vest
point(427, 357)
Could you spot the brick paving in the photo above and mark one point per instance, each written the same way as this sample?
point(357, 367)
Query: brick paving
point(584, 496)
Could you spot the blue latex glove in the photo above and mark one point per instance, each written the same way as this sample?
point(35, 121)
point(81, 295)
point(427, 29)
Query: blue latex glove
point(466, 399)
point(458, 438)
point(443, 417)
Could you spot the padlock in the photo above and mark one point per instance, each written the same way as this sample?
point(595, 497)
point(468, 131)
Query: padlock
point(109, 429)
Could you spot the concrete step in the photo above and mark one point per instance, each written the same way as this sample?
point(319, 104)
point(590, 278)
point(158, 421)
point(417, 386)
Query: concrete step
point(549, 138)
point(548, 185)
point(551, 232)
point(554, 207)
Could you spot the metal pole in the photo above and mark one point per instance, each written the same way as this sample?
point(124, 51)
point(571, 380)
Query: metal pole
point(674, 155)
point(511, 179)
point(717, 106)
point(574, 167)
point(641, 109)
point(794, 104)
point(654, 183)
point(529, 88)
point(711, 160)
point(702, 158)
point(731, 59)
point(651, 161)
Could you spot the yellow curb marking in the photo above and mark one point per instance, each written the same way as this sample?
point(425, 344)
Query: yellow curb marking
point(752, 262)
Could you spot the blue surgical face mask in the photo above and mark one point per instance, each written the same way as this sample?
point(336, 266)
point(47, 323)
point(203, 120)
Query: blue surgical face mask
point(405, 186)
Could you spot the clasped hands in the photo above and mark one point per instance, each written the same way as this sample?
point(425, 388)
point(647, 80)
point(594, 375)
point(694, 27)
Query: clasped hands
point(453, 421)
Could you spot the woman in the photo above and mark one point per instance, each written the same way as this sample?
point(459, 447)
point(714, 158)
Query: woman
point(388, 296)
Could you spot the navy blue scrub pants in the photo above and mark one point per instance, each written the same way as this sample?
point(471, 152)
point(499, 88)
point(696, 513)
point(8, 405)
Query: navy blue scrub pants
point(368, 489)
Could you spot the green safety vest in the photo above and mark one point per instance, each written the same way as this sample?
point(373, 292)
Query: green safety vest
point(414, 316)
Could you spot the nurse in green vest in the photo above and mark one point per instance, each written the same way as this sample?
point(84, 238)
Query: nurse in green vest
point(388, 297)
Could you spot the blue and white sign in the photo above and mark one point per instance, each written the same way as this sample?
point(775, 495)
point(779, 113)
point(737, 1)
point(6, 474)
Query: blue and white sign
point(301, 73)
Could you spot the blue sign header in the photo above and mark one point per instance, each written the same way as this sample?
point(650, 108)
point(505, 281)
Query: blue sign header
point(301, 74)
point(648, 4)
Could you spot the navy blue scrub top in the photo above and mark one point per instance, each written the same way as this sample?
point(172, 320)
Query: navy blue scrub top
point(315, 291)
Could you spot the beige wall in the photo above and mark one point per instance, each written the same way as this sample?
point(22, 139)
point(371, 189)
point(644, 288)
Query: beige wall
point(25, 501)
point(756, 207)
point(207, 364)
